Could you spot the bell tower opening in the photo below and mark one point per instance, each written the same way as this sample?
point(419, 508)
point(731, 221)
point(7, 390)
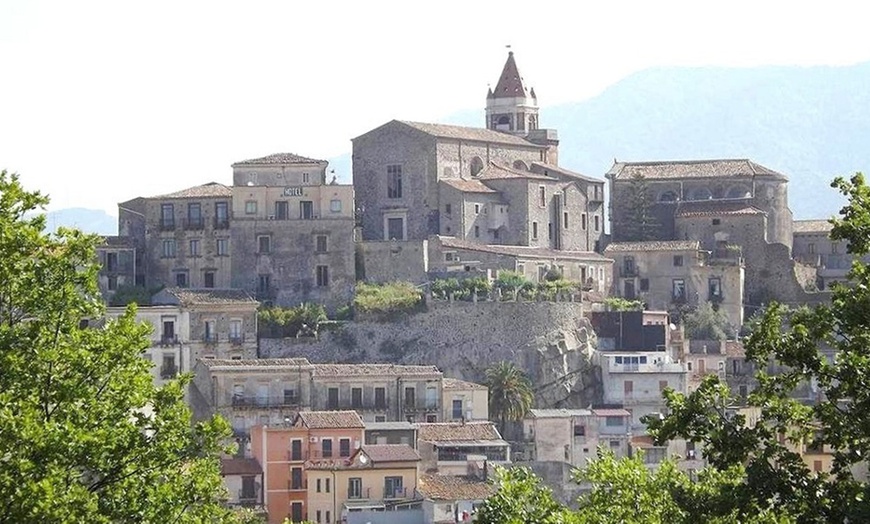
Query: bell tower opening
point(512, 107)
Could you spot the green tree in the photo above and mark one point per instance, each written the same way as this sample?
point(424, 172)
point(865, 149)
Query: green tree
point(636, 209)
point(705, 323)
point(520, 498)
point(510, 393)
point(511, 282)
point(84, 434)
point(838, 419)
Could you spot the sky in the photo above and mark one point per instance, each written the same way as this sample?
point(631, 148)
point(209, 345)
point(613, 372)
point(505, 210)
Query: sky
point(101, 102)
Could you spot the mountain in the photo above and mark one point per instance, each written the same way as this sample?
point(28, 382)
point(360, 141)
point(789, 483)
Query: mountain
point(88, 220)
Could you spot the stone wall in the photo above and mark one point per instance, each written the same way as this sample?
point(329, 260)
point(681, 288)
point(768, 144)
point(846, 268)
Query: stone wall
point(550, 341)
point(393, 260)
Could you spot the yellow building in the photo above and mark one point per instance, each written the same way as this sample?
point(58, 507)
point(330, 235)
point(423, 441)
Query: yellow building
point(381, 477)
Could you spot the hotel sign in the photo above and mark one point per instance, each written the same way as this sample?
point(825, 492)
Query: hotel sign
point(292, 191)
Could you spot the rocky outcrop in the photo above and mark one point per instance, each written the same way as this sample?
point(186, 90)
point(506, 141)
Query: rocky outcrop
point(551, 341)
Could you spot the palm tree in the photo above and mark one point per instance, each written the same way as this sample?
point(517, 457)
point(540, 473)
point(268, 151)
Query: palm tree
point(510, 393)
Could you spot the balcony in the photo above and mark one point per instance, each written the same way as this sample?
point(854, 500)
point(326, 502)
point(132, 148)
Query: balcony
point(359, 494)
point(166, 224)
point(169, 340)
point(236, 339)
point(588, 284)
point(628, 271)
point(221, 222)
point(194, 223)
point(210, 338)
point(428, 406)
point(168, 372)
point(246, 401)
point(301, 485)
point(395, 493)
point(248, 498)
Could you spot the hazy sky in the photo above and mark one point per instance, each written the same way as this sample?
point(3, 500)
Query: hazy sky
point(104, 101)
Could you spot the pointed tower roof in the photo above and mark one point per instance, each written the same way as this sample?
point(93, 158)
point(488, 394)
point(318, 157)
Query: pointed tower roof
point(510, 83)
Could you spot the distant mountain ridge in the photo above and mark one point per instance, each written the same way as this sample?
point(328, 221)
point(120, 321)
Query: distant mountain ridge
point(88, 220)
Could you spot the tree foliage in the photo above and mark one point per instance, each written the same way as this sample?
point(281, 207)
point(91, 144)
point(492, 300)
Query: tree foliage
point(705, 323)
point(520, 498)
point(84, 434)
point(390, 298)
point(303, 320)
point(510, 392)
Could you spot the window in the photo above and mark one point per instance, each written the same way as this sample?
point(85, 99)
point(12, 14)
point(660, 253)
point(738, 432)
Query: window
point(209, 331)
point(811, 248)
point(565, 220)
point(835, 248)
point(296, 508)
point(613, 421)
point(296, 449)
point(221, 215)
point(534, 230)
point(318, 518)
point(550, 230)
point(410, 393)
point(167, 216)
point(264, 244)
point(542, 193)
point(332, 398)
point(679, 289)
point(169, 248)
point(380, 418)
point(476, 231)
point(628, 388)
point(457, 409)
point(714, 287)
point(208, 279)
point(393, 487)
point(394, 181)
point(431, 397)
point(326, 447)
point(380, 398)
point(328, 486)
point(476, 209)
point(306, 210)
point(597, 223)
point(264, 283)
point(327, 516)
point(318, 486)
point(583, 221)
point(168, 370)
point(344, 447)
point(644, 284)
point(322, 276)
point(678, 260)
point(579, 430)
point(111, 261)
point(282, 210)
point(223, 247)
point(181, 279)
point(235, 330)
point(194, 247)
point(112, 283)
point(717, 221)
point(476, 166)
point(194, 215)
point(251, 207)
point(320, 244)
point(356, 398)
point(305, 178)
point(447, 209)
point(354, 488)
point(335, 206)
point(395, 228)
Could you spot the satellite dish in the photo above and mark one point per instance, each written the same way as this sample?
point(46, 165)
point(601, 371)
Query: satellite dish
point(250, 183)
point(363, 459)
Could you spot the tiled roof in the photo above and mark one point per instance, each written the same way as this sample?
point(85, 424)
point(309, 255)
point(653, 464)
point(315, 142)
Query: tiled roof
point(468, 186)
point(653, 245)
point(473, 134)
point(448, 383)
point(547, 168)
point(353, 370)
point(559, 413)
point(450, 487)
point(390, 453)
point(212, 189)
point(456, 431)
point(192, 296)
point(495, 171)
point(521, 251)
point(668, 170)
point(240, 466)
point(811, 226)
point(331, 419)
point(396, 425)
point(510, 83)
point(706, 208)
point(279, 159)
point(611, 412)
point(255, 362)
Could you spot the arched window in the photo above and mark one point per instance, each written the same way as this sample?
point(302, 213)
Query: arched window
point(702, 193)
point(476, 166)
point(520, 166)
point(504, 120)
point(668, 196)
point(533, 122)
point(738, 191)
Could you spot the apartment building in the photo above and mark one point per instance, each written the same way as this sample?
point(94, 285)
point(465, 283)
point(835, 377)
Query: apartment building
point(285, 451)
point(117, 257)
point(451, 498)
point(574, 435)
point(451, 448)
point(243, 478)
point(463, 400)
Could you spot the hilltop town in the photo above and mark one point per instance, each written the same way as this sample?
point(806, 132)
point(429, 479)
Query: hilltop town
point(497, 254)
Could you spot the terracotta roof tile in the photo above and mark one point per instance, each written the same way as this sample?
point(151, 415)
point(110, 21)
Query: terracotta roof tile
point(812, 226)
point(457, 431)
point(448, 383)
point(521, 251)
point(353, 370)
point(210, 190)
point(255, 363)
point(510, 83)
point(390, 453)
point(472, 134)
point(240, 466)
point(666, 170)
point(559, 413)
point(279, 159)
point(193, 296)
point(547, 168)
point(611, 412)
point(330, 419)
point(498, 172)
point(468, 186)
point(706, 208)
point(653, 245)
point(449, 487)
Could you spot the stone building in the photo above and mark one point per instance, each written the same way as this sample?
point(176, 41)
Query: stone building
point(463, 400)
point(456, 448)
point(574, 435)
point(814, 247)
point(665, 275)
point(117, 257)
point(184, 236)
point(292, 231)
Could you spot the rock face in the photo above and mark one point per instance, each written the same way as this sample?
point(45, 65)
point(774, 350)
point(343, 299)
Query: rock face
point(551, 341)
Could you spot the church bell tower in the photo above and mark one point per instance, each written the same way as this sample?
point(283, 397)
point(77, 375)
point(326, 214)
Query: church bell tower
point(512, 106)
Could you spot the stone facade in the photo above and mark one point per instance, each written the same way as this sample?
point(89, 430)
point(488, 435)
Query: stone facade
point(117, 257)
point(668, 274)
point(814, 248)
point(574, 435)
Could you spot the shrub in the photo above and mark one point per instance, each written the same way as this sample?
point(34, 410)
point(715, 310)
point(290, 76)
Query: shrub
point(394, 297)
point(479, 285)
point(443, 287)
point(301, 321)
point(705, 323)
point(511, 282)
point(622, 304)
